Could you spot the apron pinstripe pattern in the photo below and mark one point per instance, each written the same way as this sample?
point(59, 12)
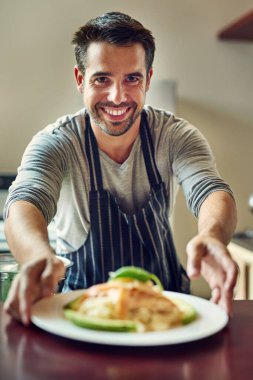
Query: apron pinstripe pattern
point(117, 239)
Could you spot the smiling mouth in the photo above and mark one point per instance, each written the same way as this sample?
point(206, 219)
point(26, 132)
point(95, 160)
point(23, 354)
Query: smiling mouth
point(116, 112)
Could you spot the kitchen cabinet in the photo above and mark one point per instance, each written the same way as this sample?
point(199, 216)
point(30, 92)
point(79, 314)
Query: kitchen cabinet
point(240, 29)
point(244, 258)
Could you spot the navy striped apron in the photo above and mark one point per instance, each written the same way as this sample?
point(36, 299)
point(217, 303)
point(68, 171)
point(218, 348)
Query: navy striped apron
point(117, 239)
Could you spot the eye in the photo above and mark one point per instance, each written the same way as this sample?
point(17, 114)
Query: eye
point(101, 80)
point(133, 79)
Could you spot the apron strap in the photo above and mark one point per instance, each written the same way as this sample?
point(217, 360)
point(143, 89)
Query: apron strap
point(148, 152)
point(91, 147)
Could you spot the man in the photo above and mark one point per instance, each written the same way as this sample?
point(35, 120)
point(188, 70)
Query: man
point(107, 175)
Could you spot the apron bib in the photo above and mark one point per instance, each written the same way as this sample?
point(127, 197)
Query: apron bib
point(118, 239)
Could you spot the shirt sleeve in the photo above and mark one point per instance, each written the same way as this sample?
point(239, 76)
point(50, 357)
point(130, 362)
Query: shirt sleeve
point(194, 166)
point(40, 174)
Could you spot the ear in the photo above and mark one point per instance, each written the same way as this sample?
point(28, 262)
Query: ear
point(149, 79)
point(79, 79)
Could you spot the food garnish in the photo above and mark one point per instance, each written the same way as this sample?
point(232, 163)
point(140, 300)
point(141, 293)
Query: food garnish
point(128, 302)
point(135, 273)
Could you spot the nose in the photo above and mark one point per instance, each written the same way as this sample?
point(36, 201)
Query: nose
point(117, 93)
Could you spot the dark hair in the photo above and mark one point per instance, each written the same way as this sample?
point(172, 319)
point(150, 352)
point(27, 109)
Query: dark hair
point(114, 28)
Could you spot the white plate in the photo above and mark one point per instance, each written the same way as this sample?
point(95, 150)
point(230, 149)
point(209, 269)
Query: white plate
point(48, 315)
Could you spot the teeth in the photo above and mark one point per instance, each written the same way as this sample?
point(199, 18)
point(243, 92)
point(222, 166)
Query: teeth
point(115, 112)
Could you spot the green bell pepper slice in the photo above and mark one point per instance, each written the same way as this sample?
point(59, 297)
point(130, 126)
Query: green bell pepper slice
point(93, 323)
point(189, 313)
point(135, 273)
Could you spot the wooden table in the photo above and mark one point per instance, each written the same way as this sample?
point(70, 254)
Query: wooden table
point(28, 353)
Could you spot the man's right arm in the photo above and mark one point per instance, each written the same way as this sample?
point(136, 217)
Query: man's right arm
point(41, 270)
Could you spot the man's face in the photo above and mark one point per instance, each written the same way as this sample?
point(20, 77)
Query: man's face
point(114, 86)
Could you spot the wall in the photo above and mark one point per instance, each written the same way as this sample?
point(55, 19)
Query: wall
point(214, 79)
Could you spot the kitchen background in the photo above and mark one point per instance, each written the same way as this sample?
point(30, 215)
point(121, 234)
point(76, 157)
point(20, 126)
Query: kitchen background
point(209, 81)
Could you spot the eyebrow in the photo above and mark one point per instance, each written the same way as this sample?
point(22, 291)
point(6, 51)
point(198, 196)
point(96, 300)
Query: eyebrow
point(136, 74)
point(101, 74)
point(109, 74)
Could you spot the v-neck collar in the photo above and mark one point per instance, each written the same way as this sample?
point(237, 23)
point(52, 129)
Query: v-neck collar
point(124, 164)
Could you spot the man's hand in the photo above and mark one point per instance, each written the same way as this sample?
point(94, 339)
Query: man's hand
point(37, 279)
point(209, 257)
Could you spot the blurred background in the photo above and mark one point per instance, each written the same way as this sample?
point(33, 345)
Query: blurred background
point(203, 79)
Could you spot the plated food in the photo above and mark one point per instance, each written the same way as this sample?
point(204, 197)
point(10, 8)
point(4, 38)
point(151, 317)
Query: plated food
point(132, 300)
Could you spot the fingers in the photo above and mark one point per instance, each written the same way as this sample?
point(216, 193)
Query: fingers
point(223, 299)
point(11, 305)
point(227, 303)
point(215, 295)
point(24, 290)
point(232, 271)
point(51, 275)
point(195, 251)
point(227, 287)
point(210, 258)
point(36, 280)
point(26, 297)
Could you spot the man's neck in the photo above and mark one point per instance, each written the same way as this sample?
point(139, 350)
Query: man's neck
point(117, 148)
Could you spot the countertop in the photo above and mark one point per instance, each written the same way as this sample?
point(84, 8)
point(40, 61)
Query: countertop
point(28, 353)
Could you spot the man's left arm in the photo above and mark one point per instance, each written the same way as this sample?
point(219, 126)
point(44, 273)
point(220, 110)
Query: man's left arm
point(207, 251)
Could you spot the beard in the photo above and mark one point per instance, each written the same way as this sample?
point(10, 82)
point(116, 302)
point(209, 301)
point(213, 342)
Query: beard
point(114, 128)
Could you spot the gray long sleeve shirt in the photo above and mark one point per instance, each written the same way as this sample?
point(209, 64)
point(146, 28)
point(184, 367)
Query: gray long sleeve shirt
point(54, 173)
